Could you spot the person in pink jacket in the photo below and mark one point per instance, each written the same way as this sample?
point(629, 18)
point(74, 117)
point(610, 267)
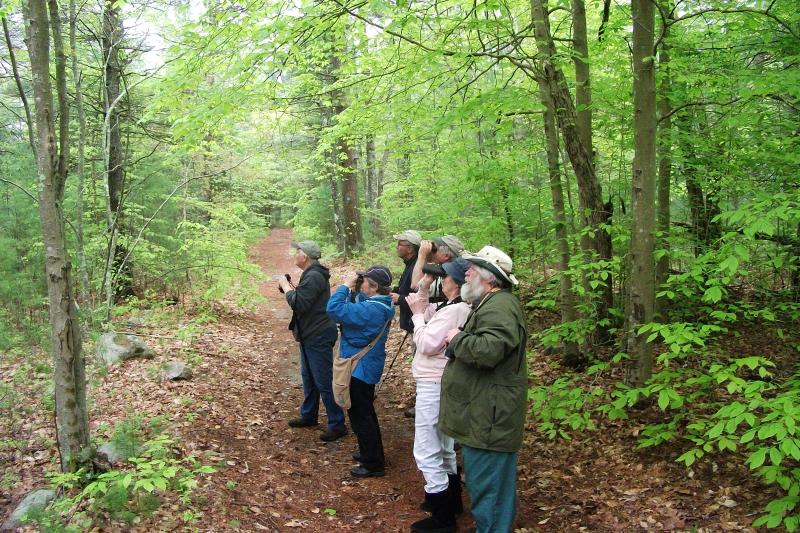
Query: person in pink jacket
point(433, 450)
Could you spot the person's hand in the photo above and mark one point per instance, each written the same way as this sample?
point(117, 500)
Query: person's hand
point(284, 284)
point(350, 280)
point(425, 248)
point(395, 297)
point(416, 304)
point(450, 334)
point(426, 282)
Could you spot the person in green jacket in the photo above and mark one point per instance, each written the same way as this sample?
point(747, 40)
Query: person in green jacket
point(484, 389)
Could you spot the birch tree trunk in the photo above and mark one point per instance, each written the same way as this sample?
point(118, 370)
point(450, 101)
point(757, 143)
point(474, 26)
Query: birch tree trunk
point(52, 156)
point(642, 293)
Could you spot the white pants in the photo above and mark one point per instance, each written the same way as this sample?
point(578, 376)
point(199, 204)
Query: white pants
point(433, 450)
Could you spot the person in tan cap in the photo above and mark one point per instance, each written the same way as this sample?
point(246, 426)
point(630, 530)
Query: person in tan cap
point(408, 242)
point(484, 388)
point(439, 251)
point(316, 333)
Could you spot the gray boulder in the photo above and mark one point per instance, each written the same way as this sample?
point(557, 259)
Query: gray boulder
point(111, 453)
point(176, 370)
point(113, 348)
point(33, 501)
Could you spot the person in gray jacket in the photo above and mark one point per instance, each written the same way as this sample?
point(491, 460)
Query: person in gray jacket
point(316, 333)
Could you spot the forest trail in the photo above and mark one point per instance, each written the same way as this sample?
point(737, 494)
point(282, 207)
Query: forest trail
point(233, 414)
point(273, 478)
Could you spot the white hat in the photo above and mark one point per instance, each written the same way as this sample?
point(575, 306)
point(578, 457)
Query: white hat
point(494, 260)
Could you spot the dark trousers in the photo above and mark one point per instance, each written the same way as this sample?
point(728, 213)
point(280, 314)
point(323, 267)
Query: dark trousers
point(316, 369)
point(364, 422)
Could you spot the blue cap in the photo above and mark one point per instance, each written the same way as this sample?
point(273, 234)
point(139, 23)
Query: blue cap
point(457, 269)
point(379, 274)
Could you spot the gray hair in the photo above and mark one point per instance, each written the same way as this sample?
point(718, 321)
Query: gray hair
point(487, 275)
point(446, 250)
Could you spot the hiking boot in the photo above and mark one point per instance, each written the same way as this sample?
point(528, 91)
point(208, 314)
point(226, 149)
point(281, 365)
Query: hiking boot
point(361, 471)
point(301, 422)
point(331, 435)
point(454, 488)
point(411, 412)
point(442, 519)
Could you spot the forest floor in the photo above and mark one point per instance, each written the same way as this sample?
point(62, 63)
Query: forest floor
point(269, 477)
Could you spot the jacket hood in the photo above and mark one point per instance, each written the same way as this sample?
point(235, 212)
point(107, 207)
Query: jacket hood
point(322, 269)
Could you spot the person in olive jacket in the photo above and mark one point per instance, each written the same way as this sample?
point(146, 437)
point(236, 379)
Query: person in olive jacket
point(484, 389)
point(316, 333)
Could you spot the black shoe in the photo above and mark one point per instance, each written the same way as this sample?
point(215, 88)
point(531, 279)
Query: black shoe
point(331, 435)
point(411, 412)
point(301, 422)
point(361, 471)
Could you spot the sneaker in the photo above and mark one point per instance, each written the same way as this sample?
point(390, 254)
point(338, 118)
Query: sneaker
point(331, 435)
point(361, 471)
point(300, 422)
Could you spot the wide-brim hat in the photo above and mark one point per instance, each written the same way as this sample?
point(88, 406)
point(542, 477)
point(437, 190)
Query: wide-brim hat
point(494, 260)
point(310, 248)
point(409, 235)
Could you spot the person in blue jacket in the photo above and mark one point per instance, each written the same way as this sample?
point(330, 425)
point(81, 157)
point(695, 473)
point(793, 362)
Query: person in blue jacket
point(361, 320)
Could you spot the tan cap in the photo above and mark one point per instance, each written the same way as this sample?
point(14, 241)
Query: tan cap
point(409, 235)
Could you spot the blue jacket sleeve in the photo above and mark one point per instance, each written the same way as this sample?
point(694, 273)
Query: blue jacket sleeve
point(343, 311)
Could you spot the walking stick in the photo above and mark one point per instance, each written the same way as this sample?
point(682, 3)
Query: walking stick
point(399, 349)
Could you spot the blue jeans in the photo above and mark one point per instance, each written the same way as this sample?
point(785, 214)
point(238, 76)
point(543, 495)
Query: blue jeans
point(491, 479)
point(316, 369)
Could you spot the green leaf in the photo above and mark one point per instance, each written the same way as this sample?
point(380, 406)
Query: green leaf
point(757, 458)
point(775, 456)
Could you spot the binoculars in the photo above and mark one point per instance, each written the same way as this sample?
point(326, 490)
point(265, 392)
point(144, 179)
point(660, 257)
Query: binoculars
point(288, 278)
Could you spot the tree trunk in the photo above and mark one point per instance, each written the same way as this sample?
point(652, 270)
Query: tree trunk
point(593, 213)
point(18, 81)
point(664, 167)
point(80, 163)
point(52, 155)
point(569, 313)
point(117, 280)
point(642, 293)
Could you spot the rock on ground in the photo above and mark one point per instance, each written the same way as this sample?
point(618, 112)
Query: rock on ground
point(113, 348)
point(34, 501)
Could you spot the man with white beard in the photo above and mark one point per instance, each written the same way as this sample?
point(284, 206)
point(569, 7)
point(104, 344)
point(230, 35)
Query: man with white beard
point(484, 389)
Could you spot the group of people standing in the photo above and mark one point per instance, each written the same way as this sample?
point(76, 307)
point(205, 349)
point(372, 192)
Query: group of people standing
point(469, 341)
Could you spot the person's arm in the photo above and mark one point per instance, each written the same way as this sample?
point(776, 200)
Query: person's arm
point(423, 255)
point(487, 345)
point(430, 337)
point(343, 311)
point(302, 298)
